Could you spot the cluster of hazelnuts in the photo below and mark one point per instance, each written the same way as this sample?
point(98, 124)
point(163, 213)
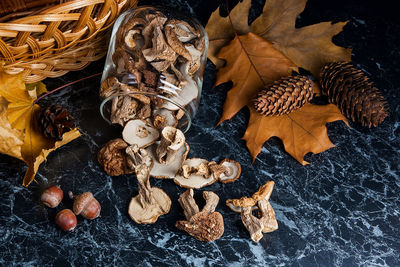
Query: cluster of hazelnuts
point(84, 204)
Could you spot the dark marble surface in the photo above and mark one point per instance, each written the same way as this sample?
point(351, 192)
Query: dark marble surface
point(343, 209)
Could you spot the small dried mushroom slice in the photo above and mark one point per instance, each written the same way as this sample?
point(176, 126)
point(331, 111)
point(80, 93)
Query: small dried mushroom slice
point(232, 171)
point(140, 132)
point(194, 180)
point(164, 117)
point(167, 171)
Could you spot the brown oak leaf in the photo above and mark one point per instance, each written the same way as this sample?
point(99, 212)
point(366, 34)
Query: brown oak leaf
point(252, 62)
point(308, 47)
point(301, 131)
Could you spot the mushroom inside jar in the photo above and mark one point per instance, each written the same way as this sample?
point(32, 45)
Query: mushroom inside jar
point(161, 57)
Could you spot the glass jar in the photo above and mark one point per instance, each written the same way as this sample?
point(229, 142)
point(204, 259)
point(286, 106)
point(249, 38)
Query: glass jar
point(154, 68)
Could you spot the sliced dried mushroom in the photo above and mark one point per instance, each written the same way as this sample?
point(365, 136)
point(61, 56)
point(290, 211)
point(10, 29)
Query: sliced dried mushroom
point(232, 171)
point(140, 132)
point(194, 180)
point(167, 171)
point(266, 221)
point(183, 30)
point(148, 30)
point(160, 49)
point(172, 139)
point(188, 93)
point(164, 117)
point(113, 158)
point(205, 225)
point(194, 63)
point(151, 202)
point(175, 43)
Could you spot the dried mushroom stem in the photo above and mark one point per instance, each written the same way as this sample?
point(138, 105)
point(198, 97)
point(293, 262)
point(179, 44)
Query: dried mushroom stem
point(267, 217)
point(252, 224)
point(151, 202)
point(172, 140)
point(142, 166)
point(211, 199)
point(188, 204)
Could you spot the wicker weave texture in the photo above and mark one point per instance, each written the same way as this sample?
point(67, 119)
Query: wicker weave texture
point(64, 37)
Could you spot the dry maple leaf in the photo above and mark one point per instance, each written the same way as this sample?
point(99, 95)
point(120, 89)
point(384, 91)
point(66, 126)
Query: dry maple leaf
point(19, 129)
point(308, 47)
point(252, 63)
point(301, 131)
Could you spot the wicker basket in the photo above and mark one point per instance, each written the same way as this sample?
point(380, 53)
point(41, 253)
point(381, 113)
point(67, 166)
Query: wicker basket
point(51, 40)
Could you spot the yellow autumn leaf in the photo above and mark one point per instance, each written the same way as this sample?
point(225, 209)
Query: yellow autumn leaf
point(11, 139)
point(19, 131)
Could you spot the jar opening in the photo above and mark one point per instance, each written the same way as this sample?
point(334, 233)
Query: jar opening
point(184, 123)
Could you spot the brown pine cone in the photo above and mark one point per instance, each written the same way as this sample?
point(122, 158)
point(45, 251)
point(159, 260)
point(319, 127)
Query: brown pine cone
point(284, 96)
point(354, 94)
point(54, 121)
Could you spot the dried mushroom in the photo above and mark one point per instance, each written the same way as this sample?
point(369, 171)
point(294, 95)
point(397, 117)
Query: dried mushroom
point(205, 225)
point(151, 202)
point(164, 117)
point(195, 179)
point(172, 139)
point(266, 221)
point(231, 171)
point(140, 132)
point(113, 158)
point(169, 170)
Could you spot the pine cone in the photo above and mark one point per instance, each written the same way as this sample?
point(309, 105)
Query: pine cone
point(54, 121)
point(351, 90)
point(284, 96)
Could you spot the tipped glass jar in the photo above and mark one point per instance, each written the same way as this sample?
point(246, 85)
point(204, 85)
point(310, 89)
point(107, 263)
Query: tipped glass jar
point(154, 68)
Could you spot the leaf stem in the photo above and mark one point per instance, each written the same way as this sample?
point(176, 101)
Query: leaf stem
point(65, 85)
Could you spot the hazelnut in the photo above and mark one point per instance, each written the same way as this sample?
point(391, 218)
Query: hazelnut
point(86, 205)
point(52, 196)
point(66, 220)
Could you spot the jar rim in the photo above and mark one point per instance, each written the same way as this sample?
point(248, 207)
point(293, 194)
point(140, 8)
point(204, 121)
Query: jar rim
point(150, 94)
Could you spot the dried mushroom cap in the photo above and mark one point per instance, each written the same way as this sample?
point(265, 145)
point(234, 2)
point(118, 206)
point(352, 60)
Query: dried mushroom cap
point(232, 171)
point(194, 181)
point(81, 201)
point(151, 213)
point(130, 41)
point(164, 117)
point(167, 171)
point(113, 158)
point(140, 132)
point(234, 204)
point(264, 192)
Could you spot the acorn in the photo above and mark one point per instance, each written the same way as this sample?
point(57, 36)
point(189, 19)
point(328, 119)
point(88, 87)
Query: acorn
point(86, 205)
point(52, 196)
point(66, 220)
